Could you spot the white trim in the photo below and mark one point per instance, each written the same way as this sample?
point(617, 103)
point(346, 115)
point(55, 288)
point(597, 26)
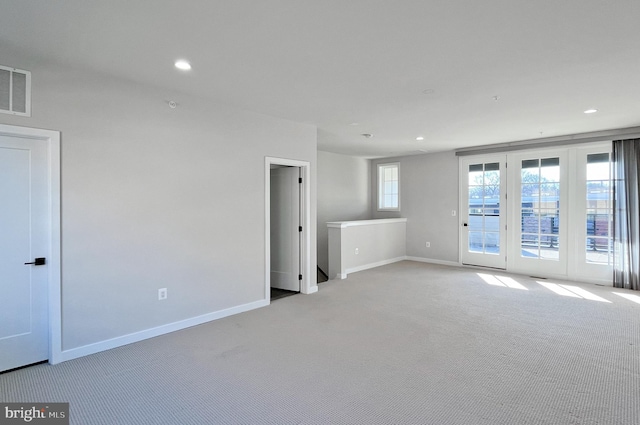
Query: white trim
point(313, 290)
point(345, 224)
point(552, 142)
point(309, 284)
point(97, 347)
point(434, 261)
point(373, 265)
point(53, 256)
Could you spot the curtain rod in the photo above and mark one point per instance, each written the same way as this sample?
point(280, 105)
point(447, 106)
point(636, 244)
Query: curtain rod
point(572, 139)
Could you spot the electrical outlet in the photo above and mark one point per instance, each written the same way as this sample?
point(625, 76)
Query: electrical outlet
point(162, 294)
point(427, 244)
point(357, 251)
point(453, 213)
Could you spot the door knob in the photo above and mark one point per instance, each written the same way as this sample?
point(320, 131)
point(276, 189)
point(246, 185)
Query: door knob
point(40, 261)
point(465, 224)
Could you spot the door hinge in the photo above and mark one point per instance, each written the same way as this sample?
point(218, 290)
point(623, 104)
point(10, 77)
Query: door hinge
point(299, 277)
point(299, 179)
point(299, 228)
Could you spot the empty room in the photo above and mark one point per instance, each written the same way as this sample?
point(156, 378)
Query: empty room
point(319, 212)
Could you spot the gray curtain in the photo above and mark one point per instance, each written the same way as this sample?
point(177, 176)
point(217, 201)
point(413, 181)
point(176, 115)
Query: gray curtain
point(626, 214)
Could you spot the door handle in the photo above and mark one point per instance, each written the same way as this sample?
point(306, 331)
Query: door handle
point(465, 224)
point(40, 261)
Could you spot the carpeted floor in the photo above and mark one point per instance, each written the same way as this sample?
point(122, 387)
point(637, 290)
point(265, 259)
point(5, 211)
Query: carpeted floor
point(407, 343)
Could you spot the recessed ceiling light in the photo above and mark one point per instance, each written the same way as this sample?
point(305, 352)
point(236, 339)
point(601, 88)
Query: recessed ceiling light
point(419, 138)
point(183, 65)
point(590, 111)
point(354, 124)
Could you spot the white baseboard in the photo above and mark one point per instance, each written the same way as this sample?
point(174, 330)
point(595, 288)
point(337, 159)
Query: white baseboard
point(311, 290)
point(372, 265)
point(97, 347)
point(434, 261)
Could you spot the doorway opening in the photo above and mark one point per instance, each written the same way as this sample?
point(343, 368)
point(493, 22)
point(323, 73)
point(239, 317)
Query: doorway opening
point(287, 228)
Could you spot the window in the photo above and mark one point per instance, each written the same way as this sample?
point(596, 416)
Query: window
point(389, 187)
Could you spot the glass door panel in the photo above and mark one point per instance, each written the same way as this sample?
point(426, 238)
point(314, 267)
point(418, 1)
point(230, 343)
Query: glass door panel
point(594, 214)
point(539, 205)
point(540, 202)
point(598, 212)
point(483, 236)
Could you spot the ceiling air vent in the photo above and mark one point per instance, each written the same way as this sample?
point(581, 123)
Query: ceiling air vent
point(15, 91)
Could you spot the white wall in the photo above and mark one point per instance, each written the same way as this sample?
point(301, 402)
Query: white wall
point(344, 193)
point(154, 197)
point(364, 244)
point(429, 192)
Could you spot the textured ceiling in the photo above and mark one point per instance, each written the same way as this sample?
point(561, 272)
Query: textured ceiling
point(400, 69)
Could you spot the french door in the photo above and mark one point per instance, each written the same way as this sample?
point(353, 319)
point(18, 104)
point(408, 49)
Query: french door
point(547, 214)
point(538, 219)
point(593, 214)
point(483, 211)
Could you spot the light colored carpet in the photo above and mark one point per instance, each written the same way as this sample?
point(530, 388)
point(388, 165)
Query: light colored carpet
point(407, 343)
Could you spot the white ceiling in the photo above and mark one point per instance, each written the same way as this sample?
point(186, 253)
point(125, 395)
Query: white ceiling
point(332, 63)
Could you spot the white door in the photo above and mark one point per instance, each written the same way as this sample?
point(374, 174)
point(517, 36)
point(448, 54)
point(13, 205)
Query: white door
point(285, 228)
point(24, 236)
point(592, 241)
point(539, 203)
point(483, 211)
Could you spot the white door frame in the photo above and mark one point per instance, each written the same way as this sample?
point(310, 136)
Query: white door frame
point(52, 138)
point(307, 285)
point(284, 185)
